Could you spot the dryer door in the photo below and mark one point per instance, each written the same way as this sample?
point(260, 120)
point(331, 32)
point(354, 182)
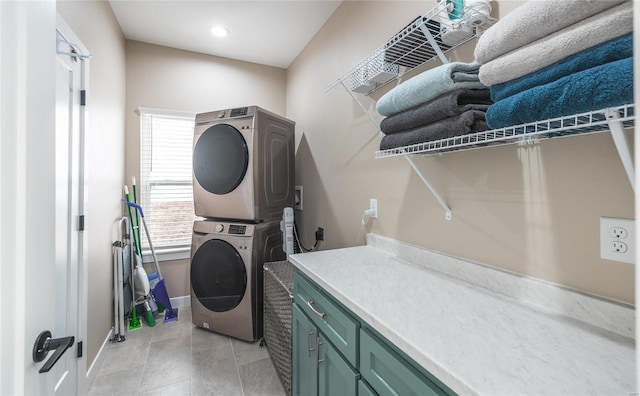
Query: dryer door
point(220, 159)
point(218, 276)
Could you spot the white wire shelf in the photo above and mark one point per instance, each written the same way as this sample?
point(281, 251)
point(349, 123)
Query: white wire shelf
point(589, 122)
point(421, 41)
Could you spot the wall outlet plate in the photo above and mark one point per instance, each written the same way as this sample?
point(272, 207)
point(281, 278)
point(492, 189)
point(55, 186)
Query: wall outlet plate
point(297, 193)
point(618, 239)
point(373, 207)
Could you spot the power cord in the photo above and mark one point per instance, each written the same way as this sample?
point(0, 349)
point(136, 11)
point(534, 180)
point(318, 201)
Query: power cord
point(302, 248)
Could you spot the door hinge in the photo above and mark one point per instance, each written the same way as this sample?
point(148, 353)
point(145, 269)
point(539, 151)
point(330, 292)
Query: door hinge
point(81, 223)
point(79, 353)
point(83, 97)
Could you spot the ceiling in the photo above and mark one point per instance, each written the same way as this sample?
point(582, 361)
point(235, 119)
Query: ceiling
point(266, 32)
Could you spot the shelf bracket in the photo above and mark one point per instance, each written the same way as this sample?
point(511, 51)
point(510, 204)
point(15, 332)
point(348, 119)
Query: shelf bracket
point(622, 144)
point(447, 211)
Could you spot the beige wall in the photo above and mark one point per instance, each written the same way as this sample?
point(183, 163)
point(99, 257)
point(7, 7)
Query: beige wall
point(531, 209)
point(95, 25)
point(171, 79)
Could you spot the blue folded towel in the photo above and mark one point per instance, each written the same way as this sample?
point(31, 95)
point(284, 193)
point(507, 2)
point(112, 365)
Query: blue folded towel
point(609, 51)
point(597, 88)
point(429, 85)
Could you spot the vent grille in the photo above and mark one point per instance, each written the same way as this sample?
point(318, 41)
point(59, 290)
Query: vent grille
point(237, 229)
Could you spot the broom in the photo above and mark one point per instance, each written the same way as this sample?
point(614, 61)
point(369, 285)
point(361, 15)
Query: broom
point(140, 275)
point(159, 291)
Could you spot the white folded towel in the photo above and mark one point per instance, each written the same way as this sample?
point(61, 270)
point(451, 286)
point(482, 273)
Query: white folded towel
point(590, 32)
point(534, 20)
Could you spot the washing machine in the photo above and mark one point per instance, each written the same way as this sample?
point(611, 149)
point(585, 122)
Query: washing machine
point(226, 275)
point(243, 164)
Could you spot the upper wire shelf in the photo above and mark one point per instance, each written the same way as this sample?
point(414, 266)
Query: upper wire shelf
point(425, 38)
point(589, 122)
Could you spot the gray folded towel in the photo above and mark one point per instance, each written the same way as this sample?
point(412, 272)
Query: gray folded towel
point(444, 106)
point(534, 20)
point(609, 24)
point(468, 122)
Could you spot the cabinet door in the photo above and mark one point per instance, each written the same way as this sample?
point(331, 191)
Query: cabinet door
point(305, 373)
point(339, 327)
point(335, 375)
point(389, 374)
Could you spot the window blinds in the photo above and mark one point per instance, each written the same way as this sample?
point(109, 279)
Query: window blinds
point(166, 193)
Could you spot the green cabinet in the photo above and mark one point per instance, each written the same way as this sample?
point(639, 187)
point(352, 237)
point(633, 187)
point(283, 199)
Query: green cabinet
point(335, 375)
point(305, 373)
point(336, 325)
point(388, 373)
point(318, 368)
point(336, 353)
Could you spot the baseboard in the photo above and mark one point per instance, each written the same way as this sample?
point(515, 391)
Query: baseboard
point(94, 369)
point(180, 302)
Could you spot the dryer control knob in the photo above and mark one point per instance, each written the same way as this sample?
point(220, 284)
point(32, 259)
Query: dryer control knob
point(219, 228)
point(222, 114)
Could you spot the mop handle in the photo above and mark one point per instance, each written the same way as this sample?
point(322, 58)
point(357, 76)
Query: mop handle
point(138, 249)
point(146, 231)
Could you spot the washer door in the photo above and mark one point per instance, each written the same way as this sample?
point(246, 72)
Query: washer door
point(220, 159)
point(218, 276)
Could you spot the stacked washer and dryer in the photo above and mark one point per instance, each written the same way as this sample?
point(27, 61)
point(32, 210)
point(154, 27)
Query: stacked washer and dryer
point(243, 178)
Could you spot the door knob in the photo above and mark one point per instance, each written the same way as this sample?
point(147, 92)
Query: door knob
point(44, 344)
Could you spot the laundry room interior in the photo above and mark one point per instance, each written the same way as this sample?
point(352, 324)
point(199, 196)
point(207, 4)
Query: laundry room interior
point(309, 238)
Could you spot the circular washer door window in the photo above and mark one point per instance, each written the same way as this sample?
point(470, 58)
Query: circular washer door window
point(220, 159)
point(218, 276)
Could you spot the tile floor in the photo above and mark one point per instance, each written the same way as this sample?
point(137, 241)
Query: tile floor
point(178, 358)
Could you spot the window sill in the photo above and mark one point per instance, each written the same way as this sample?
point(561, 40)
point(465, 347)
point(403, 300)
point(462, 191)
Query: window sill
point(167, 254)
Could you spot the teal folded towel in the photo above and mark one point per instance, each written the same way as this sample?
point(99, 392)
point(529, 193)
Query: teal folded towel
point(599, 87)
point(429, 85)
point(609, 51)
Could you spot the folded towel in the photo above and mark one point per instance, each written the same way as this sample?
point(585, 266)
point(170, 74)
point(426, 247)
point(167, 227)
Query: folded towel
point(429, 85)
point(465, 123)
point(535, 20)
point(444, 106)
point(592, 31)
point(597, 88)
point(612, 50)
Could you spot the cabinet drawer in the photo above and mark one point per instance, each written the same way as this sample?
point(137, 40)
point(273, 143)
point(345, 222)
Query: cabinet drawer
point(337, 326)
point(388, 373)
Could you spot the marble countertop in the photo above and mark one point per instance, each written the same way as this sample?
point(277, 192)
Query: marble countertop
point(477, 339)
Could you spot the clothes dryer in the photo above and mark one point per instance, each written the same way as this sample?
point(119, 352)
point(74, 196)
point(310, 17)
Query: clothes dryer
point(243, 164)
point(227, 275)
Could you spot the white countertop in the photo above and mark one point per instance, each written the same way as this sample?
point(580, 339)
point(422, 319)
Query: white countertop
point(474, 339)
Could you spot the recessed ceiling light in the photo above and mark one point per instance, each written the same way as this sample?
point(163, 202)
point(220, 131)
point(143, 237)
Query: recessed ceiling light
point(219, 31)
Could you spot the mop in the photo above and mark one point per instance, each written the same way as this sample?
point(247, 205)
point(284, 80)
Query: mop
point(141, 282)
point(159, 290)
point(155, 306)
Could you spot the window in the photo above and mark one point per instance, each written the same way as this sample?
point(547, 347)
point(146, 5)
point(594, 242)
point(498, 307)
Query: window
point(166, 193)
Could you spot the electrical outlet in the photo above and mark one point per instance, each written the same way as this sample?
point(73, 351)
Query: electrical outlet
point(617, 239)
point(619, 247)
point(297, 198)
point(618, 232)
point(373, 207)
point(320, 234)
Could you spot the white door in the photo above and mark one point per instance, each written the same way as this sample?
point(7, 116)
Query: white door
point(67, 210)
point(40, 200)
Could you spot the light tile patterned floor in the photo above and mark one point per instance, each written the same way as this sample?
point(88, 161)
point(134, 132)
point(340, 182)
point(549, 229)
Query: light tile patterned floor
point(178, 358)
